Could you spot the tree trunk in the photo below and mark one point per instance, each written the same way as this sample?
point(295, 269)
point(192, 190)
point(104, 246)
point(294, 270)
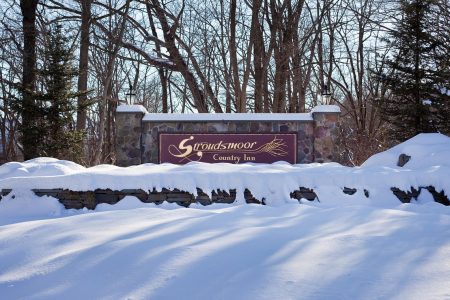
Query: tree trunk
point(107, 84)
point(83, 63)
point(161, 73)
point(29, 138)
point(233, 58)
point(169, 36)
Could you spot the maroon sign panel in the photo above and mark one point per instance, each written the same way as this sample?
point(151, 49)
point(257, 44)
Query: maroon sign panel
point(181, 148)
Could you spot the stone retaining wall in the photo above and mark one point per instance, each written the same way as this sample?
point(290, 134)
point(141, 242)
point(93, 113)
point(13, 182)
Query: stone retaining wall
point(137, 132)
point(90, 199)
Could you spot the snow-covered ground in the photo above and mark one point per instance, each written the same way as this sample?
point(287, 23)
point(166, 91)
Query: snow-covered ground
point(343, 247)
point(235, 252)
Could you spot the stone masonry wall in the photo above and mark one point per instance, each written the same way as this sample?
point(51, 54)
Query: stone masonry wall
point(326, 133)
point(90, 199)
point(137, 139)
point(304, 130)
point(128, 138)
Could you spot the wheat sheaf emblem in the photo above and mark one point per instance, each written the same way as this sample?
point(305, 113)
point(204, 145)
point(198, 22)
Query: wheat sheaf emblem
point(274, 148)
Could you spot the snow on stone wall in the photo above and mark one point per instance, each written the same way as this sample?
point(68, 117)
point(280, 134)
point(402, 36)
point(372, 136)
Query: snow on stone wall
point(275, 183)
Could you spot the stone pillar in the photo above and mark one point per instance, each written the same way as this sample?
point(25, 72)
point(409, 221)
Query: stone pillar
point(326, 133)
point(128, 134)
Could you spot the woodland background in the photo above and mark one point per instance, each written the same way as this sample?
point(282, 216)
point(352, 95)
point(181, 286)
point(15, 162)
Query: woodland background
point(66, 65)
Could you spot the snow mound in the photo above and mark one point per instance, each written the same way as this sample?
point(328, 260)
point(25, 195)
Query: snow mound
point(24, 205)
point(425, 149)
point(126, 203)
point(42, 166)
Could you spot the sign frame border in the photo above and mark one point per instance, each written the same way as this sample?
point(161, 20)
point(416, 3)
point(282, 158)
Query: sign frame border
point(231, 133)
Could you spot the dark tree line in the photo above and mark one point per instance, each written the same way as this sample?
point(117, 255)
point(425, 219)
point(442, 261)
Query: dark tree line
point(223, 56)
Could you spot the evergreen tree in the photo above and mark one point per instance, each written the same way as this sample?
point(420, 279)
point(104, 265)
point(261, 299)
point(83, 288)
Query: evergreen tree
point(60, 140)
point(415, 78)
point(442, 57)
point(49, 128)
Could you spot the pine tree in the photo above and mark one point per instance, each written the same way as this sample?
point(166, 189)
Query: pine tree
point(58, 102)
point(442, 58)
point(415, 78)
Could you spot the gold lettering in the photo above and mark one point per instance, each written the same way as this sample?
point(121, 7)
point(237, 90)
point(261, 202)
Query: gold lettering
point(182, 146)
point(249, 158)
point(186, 149)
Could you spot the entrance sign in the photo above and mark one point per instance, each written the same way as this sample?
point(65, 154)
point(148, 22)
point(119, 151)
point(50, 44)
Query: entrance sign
point(181, 148)
point(299, 138)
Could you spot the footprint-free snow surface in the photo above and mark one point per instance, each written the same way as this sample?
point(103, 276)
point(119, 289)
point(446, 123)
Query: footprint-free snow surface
point(343, 247)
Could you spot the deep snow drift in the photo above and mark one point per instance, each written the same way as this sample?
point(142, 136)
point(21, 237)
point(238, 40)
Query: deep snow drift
point(237, 252)
point(343, 247)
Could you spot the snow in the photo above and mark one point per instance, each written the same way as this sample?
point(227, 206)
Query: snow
point(24, 205)
point(429, 166)
point(127, 202)
point(237, 252)
point(162, 60)
point(343, 247)
point(427, 150)
point(219, 117)
point(131, 108)
point(42, 166)
point(326, 109)
point(273, 182)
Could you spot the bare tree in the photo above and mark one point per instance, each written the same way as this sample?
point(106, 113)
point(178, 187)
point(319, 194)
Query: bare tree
point(359, 36)
point(83, 62)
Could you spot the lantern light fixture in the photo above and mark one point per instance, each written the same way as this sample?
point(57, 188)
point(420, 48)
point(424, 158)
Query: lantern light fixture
point(326, 94)
point(131, 96)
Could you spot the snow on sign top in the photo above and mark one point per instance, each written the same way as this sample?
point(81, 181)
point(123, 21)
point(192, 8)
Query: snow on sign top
point(228, 117)
point(326, 109)
point(156, 117)
point(131, 108)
